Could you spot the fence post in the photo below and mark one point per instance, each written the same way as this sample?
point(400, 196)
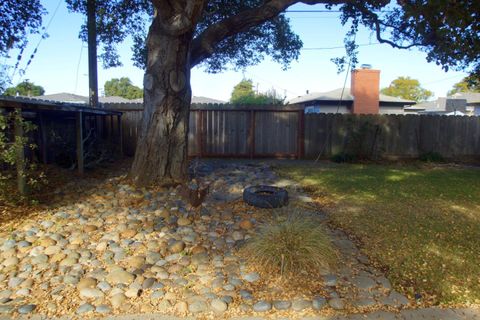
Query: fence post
point(79, 127)
point(120, 133)
point(199, 120)
point(20, 152)
point(43, 133)
point(301, 134)
point(251, 134)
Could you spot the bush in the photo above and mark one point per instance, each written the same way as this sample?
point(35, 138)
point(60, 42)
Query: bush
point(432, 157)
point(343, 157)
point(297, 243)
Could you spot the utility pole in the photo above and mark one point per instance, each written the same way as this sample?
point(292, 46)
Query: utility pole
point(92, 55)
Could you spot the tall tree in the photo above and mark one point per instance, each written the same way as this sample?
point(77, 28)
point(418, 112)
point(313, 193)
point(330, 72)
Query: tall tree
point(187, 33)
point(470, 83)
point(25, 88)
point(122, 87)
point(243, 93)
point(407, 88)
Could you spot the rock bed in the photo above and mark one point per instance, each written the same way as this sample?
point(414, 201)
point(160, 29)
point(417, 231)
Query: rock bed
point(120, 250)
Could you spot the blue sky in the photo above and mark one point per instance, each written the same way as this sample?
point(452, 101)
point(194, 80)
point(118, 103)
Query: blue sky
point(61, 62)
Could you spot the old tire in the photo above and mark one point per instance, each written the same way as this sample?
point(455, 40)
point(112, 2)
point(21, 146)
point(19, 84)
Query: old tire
point(267, 197)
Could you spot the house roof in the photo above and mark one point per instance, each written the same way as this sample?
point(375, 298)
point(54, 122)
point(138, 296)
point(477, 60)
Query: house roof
point(337, 94)
point(471, 97)
point(74, 98)
point(33, 104)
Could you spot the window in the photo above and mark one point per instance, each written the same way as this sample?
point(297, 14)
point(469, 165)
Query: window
point(312, 109)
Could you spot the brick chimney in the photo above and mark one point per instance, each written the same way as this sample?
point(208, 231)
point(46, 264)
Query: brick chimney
point(365, 90)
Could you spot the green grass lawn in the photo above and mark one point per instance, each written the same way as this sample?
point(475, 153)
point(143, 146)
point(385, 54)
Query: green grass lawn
point(422, 224)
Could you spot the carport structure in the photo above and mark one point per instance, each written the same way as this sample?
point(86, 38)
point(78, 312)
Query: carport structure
point(66, 118)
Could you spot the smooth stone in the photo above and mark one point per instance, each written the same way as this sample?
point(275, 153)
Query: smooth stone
point(281, 305)
point(133, 293)
point(181, 307)
point(218, 306)
point(15, 282)
point(330, 280)
point(12, 261)
point(91, 293)
point(363, 282)
point(301, 304)
point(318, 303)
point(262, 306)
point(118, 300)
point(5, 309)
point(251, 277)
point(237, 236)
point(183, 221)
point(148, 283)
point(136, 262)
point(336, 303)
point(197, 306)
point(176, 247)
point(104, 286)
point(247, 295)
point(86, 283)
point(157, 295)
point(246, 224)
point(103, 309)
point(367, 302)
point(27, 308)
point(120, 276)
point(84, 308)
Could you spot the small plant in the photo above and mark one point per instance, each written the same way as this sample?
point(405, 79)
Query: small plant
point(297, 243)
point(9, 146)
point(343, 157)
point(431, 157)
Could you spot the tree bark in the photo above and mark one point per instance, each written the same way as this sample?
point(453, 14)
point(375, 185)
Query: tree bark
point(161, 154)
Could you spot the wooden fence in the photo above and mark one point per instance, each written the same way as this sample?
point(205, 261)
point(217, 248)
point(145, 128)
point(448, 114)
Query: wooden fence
point(236, 131)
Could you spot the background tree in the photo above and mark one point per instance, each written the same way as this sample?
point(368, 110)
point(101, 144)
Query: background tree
point(218, 33)
point(468, 84)
point(407, 88)
point(244, 94)
point(122, 87)
point(25, 88)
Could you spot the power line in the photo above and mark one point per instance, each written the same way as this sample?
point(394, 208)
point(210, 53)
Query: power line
point(340, 47)
point(39, 41)
point(78, 68)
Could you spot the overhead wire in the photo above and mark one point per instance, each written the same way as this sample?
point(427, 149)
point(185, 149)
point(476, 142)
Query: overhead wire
point(38, 44)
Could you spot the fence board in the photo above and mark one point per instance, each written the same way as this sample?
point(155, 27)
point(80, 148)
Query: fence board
point(276, 132)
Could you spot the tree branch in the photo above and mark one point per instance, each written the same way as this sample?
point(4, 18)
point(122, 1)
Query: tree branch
point(203, 45)
point(178, 17)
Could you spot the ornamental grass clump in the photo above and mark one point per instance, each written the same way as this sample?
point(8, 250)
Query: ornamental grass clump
point(296, 243)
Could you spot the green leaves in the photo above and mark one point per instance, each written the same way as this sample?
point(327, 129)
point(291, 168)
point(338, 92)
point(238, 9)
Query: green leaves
point(243, 94)
point(407, 88)
point(122, 87)
point(25, 88)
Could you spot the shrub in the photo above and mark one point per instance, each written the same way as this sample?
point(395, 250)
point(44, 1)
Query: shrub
point(431, 157)
point(297, 243)
point(343, 157)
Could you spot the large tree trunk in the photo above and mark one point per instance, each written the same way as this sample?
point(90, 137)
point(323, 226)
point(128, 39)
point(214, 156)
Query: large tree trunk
point(161, 154)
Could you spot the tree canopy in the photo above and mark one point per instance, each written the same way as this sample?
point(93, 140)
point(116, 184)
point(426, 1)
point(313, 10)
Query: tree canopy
point(468, 84)
point(244, 94)
point(122, 87)
point(407, 88)
point(242, 32)
point(25, 88)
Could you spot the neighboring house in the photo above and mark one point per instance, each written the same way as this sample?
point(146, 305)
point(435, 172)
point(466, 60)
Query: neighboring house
point(451, 106)
point(473, 101)
point(363, 97)
point(74, 98)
